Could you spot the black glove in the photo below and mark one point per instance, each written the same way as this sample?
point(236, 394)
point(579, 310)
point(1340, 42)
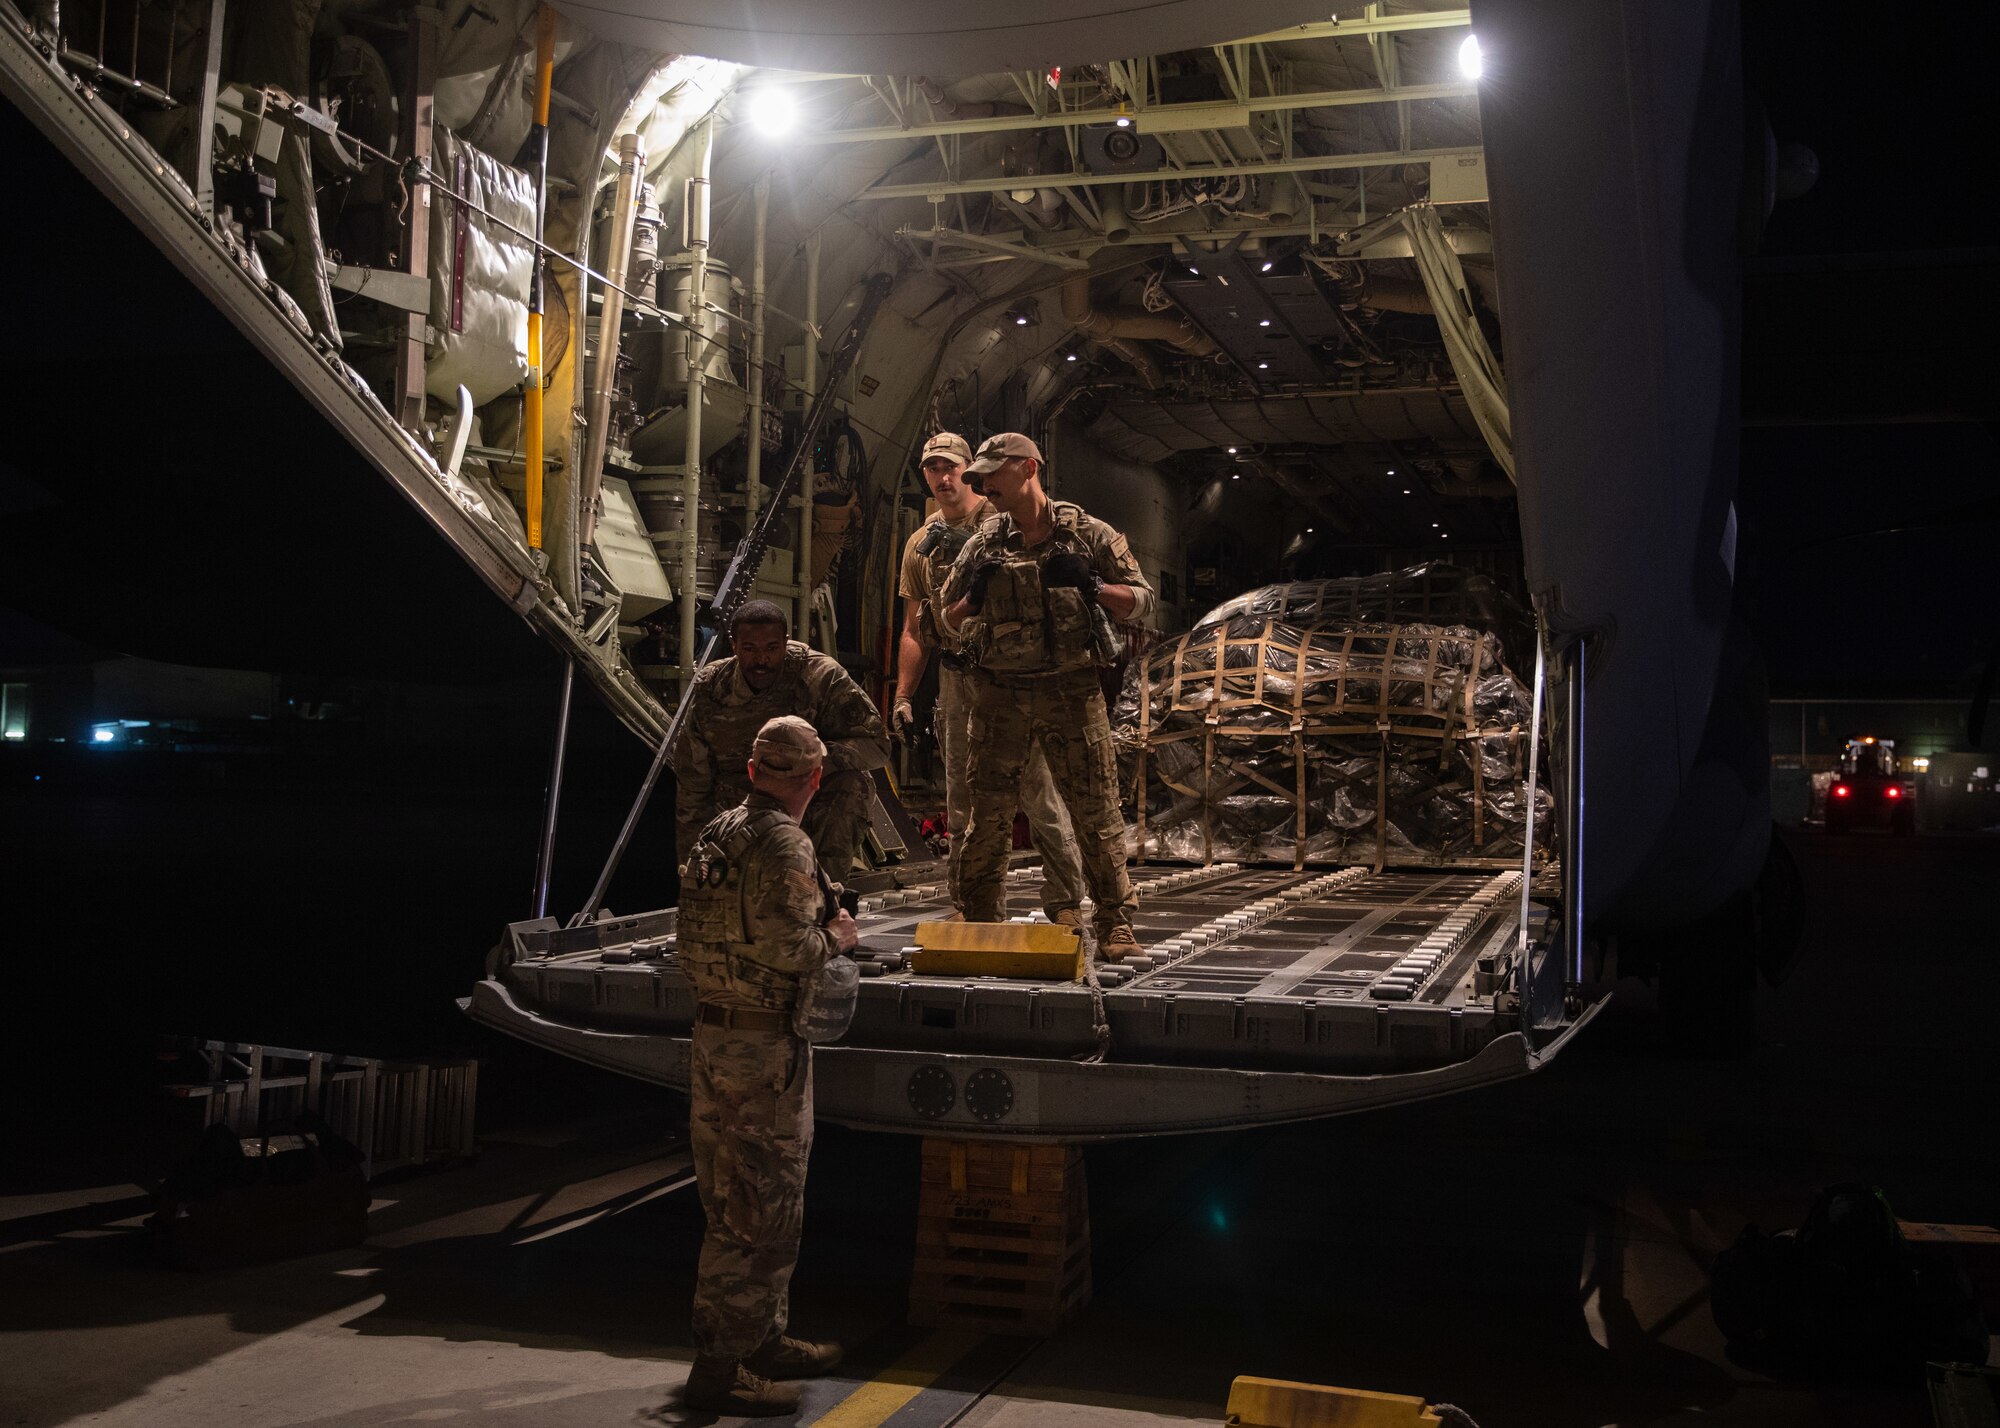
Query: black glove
point(975, 593)
point(1066, 570)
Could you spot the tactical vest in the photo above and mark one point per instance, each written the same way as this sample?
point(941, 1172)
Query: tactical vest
point(712, 931)
point(1025, 629)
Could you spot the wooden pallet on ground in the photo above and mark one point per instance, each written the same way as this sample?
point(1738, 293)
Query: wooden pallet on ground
point(1003, 1237)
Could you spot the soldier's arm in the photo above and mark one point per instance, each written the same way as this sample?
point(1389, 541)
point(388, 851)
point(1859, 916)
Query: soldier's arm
point(911, 656)
point(782, 898)
point(1126, 596)
point(850, 724)
point(694, 781)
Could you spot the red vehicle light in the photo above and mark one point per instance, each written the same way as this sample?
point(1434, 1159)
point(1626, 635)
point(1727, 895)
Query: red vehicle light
point(1841, 790)
point(1892, 792)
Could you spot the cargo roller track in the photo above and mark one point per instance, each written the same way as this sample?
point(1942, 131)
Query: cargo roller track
point(1264, 996)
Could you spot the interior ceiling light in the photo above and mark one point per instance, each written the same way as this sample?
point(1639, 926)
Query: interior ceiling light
point(1406, 490)
point(1434, 525)
point(1265, 269)
point(1469, 62)
point(1193, 271)
point(773, 112)
point(1236, 475)
point(1263, 366)
point(1263, 322)
point(1232, 451)
point(1123, 116)
point(1070, 358)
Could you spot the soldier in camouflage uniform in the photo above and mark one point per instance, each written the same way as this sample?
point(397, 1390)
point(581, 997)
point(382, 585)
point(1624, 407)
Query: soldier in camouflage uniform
point(753, 923)
point(927, 559)
point(1032, 595)
point(766, 675)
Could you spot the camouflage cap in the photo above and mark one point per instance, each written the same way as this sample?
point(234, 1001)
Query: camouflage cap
point(946, 443)
point(787, 747)
point(996, 449)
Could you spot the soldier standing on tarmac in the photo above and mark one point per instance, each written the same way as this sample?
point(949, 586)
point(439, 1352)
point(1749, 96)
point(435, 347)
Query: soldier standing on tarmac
point(927, 559)
point(1032, 595)
point(753, 925)
point(768, 674)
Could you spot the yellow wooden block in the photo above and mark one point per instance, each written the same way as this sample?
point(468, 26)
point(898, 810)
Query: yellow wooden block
point(1274, 1403)
point(1041, 950)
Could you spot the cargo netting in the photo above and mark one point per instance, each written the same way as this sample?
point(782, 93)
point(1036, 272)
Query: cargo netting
point(1375, 720)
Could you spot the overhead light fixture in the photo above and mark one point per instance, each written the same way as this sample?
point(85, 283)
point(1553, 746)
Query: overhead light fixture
point(1392, 471)
point(1434, 525)
point(1193, 271)
point(1469, 61)
point(1236, 475)
point(1263, 366)
point(1309, 530)
point(1070, 358)
point(1020, 319)
point(1122, 115)
point(1263, 322)
point(1265, 269)
point(773, 112)
point(1232, 451)
point(1406, 490)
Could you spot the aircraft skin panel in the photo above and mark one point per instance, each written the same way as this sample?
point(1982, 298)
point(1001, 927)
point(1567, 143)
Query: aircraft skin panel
point(1049, 1099)
point(94, 138)
point(1619, 272)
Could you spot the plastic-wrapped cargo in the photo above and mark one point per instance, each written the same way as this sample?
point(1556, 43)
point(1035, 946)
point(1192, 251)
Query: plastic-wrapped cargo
point(1376, 720)
point(480, 274)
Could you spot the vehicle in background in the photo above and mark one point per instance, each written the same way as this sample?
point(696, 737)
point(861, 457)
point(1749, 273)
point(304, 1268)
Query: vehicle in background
point(1869, 790)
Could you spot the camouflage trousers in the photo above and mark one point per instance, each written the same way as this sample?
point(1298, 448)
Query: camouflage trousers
point(751, 1130)
point(1062, 716)
point(1048, 821)
point(835, 818)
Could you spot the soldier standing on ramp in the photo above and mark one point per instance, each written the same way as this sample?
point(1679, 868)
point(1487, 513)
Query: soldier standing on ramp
point(768, 674)
point(927, 559)
point(1033, 594)
point(753, 925)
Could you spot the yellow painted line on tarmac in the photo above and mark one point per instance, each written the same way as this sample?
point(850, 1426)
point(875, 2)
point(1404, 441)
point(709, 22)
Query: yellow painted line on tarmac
point(923, 1364)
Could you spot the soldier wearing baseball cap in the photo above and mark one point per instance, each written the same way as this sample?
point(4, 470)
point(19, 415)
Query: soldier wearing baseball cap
point(785, 749)
point(946, 443)
point(1007, 446)
point(752, 928)
point(1030, 598)
point(927, 559)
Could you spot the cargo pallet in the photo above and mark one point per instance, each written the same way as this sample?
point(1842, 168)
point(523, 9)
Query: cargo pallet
point(399, 1113)
point(1003, 1237)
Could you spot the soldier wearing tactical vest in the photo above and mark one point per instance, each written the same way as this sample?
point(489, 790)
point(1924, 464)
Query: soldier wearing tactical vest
point(927, 560)
point(753, 929)
point(768, 674)
point(1032, 596)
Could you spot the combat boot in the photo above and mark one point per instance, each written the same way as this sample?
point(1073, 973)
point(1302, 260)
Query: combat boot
point(723, 1386)
point(1068, 917)
point(1118, 943)
point(786, 1357)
